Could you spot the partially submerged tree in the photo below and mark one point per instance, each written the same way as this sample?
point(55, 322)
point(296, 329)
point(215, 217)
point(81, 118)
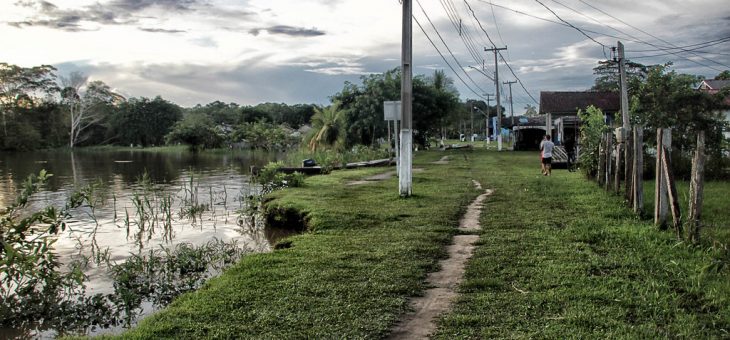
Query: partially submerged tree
point(197, 131)
point(85, 102)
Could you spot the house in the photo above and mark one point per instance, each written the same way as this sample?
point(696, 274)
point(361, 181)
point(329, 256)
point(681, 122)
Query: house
point(713, 86)
point(560, 110)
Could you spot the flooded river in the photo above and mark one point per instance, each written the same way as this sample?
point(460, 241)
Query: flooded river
point(142, 201)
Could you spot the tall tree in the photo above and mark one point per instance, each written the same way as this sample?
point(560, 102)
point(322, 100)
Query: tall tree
point(607, 75)
point(85, 102)
point(19, 86)
point(327, 127)
point(724, 75)
point(143, 121)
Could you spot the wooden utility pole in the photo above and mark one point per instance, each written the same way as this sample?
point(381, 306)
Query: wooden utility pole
point(496, 85)
point(696, 188)
point(511, 108)
point(626, 123)
point(406, 94)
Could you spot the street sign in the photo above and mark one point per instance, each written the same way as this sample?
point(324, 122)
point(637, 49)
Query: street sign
point(391, 110)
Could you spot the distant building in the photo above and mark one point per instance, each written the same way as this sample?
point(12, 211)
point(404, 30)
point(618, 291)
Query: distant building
point(560, 110)
point(713, 86)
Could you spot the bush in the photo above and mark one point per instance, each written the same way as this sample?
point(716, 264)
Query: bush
point(593, 127)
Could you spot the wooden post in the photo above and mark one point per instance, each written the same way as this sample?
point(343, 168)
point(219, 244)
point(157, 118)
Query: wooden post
point(601, 160)
point(638, 169)
point(617, 170)
point(628, 166)
point(696, 187)
point(609, 153)
point(672, 193)
point(664, 141)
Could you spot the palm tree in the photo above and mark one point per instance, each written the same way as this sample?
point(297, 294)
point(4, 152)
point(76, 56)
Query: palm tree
point(327, 126)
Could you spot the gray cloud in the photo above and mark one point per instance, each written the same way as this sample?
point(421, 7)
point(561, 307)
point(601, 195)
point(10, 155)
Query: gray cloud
point(116, 12)
point(289, 30)
point(160, 30)
point(139, 5)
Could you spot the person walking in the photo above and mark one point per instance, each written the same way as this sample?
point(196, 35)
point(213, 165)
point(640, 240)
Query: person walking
point(546, 146)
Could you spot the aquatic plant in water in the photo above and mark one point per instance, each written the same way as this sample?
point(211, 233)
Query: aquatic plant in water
point(37, 293)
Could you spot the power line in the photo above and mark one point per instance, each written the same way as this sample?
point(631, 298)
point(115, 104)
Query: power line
point(697, 45)
point(457, 23)
point(444, 58)
point(500, 54)
point(571, 25)
point(447, 47)
point(660, 39)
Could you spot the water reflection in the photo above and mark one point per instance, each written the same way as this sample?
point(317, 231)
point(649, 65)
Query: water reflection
point(141, 202)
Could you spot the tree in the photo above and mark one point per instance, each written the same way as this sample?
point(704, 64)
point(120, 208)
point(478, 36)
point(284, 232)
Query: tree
point(607, 75)
point(85, 102)
point(143, 121)
point(19, 87)
point(197, 131)
point(724, 75)
point(261, 135)
point(530, 110)
point(433, 100)
point(592, 128)
point(668, 99)
point(327, 128)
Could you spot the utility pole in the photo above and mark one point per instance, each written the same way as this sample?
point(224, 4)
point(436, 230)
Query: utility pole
point(511, 109)
point(625, 124)
point(496, 85)
point(489, 100)
point(406, 94)
point(471, 136)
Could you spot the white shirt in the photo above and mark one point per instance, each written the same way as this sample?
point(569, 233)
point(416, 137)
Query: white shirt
point(547, 148)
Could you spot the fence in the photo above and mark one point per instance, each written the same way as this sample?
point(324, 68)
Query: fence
point(624, 159)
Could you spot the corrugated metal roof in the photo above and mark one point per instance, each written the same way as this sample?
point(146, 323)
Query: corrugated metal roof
point(570, 102)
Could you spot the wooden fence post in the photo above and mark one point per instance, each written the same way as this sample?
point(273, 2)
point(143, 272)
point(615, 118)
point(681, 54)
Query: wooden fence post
point(696, 187)
point(638, 169)
point(628, 165)
point(672, 192)
point(664, 141)
point(609, 154)
point(601, 160)
point(617, 169)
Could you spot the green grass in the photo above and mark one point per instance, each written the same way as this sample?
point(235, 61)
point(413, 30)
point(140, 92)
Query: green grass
point(559, 258)
point(351, 276)
point(715, 207)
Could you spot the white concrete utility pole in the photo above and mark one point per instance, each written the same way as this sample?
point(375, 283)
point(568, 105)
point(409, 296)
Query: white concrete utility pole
point(496, 85)
point(406, 94)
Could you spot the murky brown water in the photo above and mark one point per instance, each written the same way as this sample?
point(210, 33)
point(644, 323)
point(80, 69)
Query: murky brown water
point(216, 182)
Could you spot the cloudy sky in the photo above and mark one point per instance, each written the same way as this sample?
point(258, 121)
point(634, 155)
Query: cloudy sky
point(252, 51)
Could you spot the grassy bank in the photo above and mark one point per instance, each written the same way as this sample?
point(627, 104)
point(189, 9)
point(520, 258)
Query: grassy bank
point(559, 258)
point(368, 251)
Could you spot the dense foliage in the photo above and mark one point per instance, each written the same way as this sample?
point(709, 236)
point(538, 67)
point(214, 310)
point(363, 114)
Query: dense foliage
point(662, 98)
point(434, 99)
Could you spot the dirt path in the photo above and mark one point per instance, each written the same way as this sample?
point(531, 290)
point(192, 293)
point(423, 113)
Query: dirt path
point(443, 160)
point(378, 177)
point(437, 300)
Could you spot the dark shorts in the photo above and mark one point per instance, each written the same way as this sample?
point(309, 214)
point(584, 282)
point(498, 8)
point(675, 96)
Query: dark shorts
point(547, 160)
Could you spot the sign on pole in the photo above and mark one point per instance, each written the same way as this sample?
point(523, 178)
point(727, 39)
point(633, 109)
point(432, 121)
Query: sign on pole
point(391, 110)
